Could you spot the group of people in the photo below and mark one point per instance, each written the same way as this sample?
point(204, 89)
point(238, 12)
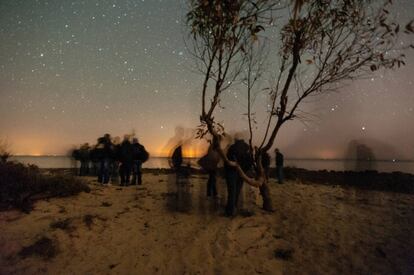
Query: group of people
point(112, 158)
point(239, 152)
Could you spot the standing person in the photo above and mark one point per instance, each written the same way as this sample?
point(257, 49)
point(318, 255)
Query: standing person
point(126, 158)
point(140, 156)
point(84, 159)
point(209, 163)
point(279, 166)
point(104, 152)
point(177, 159)
point(239, 151)
point(115, 160)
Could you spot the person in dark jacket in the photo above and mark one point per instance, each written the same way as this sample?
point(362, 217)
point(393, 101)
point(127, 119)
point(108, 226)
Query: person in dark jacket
point(239, 151)
point(140, 156)
point(209, 163)
point(104, 153)
point(126, 157)
point(279, 166)
point(177, 159)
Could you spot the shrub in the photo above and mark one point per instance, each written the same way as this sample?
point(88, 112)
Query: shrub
point(21, 185)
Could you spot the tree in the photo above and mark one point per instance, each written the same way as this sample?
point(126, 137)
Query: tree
point(332, 41)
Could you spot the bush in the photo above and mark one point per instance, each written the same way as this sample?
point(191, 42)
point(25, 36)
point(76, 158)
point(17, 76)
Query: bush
point(21, 185)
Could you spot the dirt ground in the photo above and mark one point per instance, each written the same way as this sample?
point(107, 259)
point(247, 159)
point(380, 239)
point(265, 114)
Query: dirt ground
point(167, 227)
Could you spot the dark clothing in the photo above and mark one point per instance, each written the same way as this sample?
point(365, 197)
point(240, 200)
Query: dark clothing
point(140, 155)
point(126, 154)
point(209, 163)
point(177, 157)
point(104, 168)
point(239, 151)
point(177, 161)
point(279, 174)
point(125, 173)
point(279, 167)
point(279, 159)
point(136, 172)
point(82, 155)
point(211, 184)
point(84, 168)
point(126, 157)
point(234, 186)
point(139, 152)
point(104, 152)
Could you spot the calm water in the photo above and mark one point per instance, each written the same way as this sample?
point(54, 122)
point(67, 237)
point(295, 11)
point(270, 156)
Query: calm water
point(158, 162)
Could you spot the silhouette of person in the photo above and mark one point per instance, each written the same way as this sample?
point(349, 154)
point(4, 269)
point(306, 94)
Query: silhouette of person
point(104, 153)
point(209, 163)
point(126, 157)
point(140, 156)
point(239, 151)
point(279, 166)
point(84, 159)
point(177, 159)
point(115, 160)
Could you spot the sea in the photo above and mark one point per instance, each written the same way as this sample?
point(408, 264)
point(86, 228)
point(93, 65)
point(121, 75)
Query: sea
point(309, 164)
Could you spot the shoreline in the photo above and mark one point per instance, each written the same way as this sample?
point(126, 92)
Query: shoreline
point(370, 180)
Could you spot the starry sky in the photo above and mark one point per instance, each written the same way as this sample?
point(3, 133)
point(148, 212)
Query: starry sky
point(71, 71)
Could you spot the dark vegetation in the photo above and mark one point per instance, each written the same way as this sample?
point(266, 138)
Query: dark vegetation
point(21, 185)
point(45, 248)
point(371, 180)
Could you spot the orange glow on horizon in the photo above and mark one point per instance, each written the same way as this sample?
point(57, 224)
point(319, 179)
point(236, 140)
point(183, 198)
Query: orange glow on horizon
point(327, 154)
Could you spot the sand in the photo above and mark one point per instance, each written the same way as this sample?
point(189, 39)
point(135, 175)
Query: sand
point(161, 227)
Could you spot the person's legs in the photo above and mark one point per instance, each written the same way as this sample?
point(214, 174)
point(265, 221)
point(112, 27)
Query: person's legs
point(81, 168)
point(134, 173)
point(107, 167)
point(231, 193)
point(122, 173)
point(139, 172)
point(209, 185)
point(213, 177)
point(281, 175)
point(101, 171)
point(127, 173)
point(279, 170)
point(239, 186)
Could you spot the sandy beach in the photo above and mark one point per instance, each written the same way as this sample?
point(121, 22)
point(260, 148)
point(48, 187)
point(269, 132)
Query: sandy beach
point(168, 228)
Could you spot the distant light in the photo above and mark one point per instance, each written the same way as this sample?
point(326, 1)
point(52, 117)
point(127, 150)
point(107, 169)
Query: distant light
point(363, 128)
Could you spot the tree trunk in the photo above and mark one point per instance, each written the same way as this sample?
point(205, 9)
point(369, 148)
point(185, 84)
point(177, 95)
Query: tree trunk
point(267, 200)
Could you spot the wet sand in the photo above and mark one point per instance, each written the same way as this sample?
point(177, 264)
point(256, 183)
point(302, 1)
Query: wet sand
point(169, 228)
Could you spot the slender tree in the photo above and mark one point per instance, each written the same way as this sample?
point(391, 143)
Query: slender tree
point(321, 44)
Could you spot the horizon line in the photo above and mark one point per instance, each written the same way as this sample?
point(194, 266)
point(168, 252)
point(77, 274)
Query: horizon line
point(293, 158)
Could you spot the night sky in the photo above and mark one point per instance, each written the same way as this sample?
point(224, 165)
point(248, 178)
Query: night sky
point(71, 71)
